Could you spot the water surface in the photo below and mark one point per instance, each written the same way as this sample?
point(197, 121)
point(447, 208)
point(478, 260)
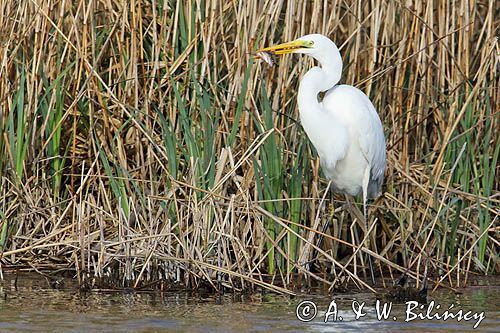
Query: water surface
point(33, 306)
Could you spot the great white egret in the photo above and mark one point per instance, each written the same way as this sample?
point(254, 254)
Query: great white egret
point(344, 127)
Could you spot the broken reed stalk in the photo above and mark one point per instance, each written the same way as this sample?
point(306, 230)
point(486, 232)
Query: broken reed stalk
point(144, 144)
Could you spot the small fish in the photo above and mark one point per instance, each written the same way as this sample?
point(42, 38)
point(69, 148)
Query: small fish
point(266, 56)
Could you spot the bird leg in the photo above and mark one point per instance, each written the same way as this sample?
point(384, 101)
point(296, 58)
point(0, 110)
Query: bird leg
point(366, 179)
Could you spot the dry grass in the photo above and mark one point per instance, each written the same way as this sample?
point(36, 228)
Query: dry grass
point(143, 144)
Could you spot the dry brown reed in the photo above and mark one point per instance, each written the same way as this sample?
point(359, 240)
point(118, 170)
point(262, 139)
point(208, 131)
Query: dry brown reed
point(142, 144)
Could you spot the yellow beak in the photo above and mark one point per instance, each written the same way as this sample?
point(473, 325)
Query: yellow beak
point(289, 47)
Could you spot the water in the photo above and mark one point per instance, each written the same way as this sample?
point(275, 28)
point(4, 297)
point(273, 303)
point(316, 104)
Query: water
point(34, 306)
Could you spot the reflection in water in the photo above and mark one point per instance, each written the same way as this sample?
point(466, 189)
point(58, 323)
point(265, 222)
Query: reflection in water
point(34, 306)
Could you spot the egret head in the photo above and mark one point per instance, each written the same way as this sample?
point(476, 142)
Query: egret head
point(318, 46)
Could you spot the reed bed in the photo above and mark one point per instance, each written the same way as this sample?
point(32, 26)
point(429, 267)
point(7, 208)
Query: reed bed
point(143, 145)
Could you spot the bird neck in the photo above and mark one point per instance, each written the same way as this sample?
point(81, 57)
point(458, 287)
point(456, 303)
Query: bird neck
point(331, 67)
point(316, 80)
point(319, 79)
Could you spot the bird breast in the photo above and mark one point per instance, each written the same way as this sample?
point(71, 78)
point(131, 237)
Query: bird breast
point(347, 173)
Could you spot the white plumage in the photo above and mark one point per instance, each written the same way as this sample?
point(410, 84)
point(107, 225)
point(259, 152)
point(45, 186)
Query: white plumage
point(365, 146)
point(344, 128)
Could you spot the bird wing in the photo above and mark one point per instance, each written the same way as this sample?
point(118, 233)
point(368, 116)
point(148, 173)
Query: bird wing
point(359, 116)
point(372, 141)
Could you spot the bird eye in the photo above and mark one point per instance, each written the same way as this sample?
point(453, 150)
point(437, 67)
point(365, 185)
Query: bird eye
point(310, 43)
